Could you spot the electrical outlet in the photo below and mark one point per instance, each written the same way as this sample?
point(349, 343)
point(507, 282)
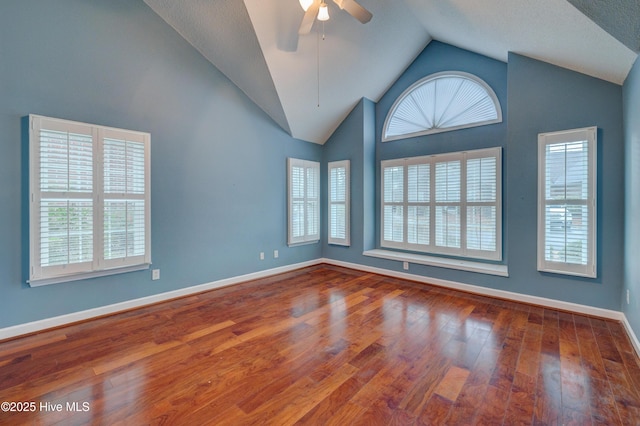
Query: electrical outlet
point(155, 274)
point(275, 254)
point(261, 255)
point(405, 266)
point(627, 296)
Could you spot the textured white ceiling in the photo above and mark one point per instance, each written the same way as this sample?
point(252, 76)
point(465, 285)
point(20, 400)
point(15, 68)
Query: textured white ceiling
point(255, 43)
point(221, 30)
point(550, 30)
point(355, 60)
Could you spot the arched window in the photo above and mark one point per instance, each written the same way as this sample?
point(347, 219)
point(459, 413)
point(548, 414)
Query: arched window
point(442, 102)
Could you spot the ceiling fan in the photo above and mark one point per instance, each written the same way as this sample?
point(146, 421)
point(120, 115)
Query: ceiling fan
point(318, 9)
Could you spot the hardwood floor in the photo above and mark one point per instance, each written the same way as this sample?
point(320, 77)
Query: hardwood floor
point(326, 345)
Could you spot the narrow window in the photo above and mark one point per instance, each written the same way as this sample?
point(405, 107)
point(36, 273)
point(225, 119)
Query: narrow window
point(304, 201)
point(567, 202)
point(339, 182)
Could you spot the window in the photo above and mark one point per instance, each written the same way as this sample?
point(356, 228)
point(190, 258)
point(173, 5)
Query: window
point(304, 201)
point(90, 200)
point(339, 202)
point(445, 204)
point(567, 202)
point(442, 102)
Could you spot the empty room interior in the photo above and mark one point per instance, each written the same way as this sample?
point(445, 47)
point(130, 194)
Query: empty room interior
point(320, 212)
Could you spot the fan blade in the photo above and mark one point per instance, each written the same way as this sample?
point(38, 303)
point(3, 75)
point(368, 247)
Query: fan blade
point(355, 9)
point(309, 18)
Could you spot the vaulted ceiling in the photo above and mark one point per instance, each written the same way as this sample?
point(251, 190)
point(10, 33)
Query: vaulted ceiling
point(308, 84)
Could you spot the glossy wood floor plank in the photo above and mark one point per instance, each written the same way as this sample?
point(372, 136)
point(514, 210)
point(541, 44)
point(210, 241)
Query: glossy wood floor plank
point(331, 346)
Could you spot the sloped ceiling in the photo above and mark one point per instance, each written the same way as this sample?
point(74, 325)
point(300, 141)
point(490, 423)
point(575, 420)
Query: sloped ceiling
point(308, 84)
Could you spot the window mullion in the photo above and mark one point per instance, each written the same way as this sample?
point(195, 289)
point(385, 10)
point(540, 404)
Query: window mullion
point(432, 204)
point(405, 204)
point(463, 204)
point(305, 195)
point(98, 198)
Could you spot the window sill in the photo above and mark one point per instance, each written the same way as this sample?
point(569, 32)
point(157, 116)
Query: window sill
point(302, 243)
point(441, 262)
point(86, 275)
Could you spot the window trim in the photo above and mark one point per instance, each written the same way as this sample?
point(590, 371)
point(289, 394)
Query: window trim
point(590, 135)
point(432, 248)
point(460, 74)
point(306, 238)
point(346, 164)
point(43, 275)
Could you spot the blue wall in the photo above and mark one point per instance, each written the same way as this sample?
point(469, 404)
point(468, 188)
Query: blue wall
point(546, 98)
point(535, 97)
point(631, 97)
point(354, 140)
point(218, 163)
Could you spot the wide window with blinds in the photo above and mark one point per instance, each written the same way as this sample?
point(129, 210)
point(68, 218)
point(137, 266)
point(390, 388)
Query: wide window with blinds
point(444, 204)
point(567, 202)
point(339, 203)
point(304, 201)
point(89, 200)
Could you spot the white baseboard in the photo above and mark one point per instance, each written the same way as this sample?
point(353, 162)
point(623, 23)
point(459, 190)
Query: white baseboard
point(35, 326)
point(485, 291)
point(501, 294)
point(632, 336)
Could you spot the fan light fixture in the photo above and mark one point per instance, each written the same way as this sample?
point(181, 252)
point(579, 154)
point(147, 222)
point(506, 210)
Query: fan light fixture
point(323, 12)
point(306, 4)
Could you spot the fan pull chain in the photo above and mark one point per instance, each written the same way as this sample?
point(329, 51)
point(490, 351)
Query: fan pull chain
point(318, 61)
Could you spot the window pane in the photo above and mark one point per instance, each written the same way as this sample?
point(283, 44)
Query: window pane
point(338, 221)
point(393, 223)
point(66, 232)
point(297, 218)
point(312, 183)
point(567, 171)
point(115, 229)
point(135, 228)
point(418, 225)
point(297, 182)
point(123, 167)
point(566, 234)
point(394, 184)
point(66, 162)
point(448, 181)
point(338, 184)
point(448, 226)
point(135, 168)
point(481, 228)
point(418, 180)
point(481, 179)
point(313, 221)
point(124, 230)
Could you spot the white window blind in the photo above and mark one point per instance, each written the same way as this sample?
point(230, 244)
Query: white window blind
point(339, 203)
point(445, 204)
point(567, 202)
point(304, 201)
point(89, 210)
point(442, 102)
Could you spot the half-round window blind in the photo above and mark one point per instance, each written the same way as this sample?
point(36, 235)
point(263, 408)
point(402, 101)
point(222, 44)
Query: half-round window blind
point(442, 102)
